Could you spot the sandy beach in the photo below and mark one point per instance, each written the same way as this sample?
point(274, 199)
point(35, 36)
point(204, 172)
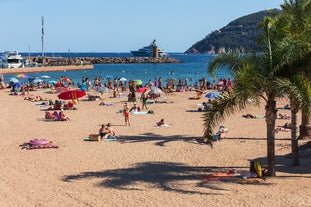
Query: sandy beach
point(146, 165)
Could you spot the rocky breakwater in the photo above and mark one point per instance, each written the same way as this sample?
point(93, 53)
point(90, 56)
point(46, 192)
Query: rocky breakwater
point(107, 60)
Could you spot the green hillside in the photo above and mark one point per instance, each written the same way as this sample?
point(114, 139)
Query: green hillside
point(241, 34)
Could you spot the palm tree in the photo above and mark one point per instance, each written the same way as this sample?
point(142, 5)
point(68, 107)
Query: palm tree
point(296, 49)
point(299, 89)
point(294, 26)
point(254, 79)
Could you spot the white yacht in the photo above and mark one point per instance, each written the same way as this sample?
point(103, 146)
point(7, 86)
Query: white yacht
point(147, 51)
point(11, 59)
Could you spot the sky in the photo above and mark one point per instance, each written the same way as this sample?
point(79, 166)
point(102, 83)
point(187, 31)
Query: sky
point(116, 25)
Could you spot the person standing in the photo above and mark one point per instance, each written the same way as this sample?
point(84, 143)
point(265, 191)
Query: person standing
point(144, 97)
point(126, 111)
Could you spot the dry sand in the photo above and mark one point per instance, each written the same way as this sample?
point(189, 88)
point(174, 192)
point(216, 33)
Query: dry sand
point(147, 165)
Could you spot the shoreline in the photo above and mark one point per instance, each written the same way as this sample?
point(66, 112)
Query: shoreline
point(44, 69)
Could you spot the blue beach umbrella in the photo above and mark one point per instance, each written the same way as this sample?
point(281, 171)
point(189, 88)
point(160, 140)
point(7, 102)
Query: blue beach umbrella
point(52, 82)
point(14, 80)
point(213, 95)
point(17, 85)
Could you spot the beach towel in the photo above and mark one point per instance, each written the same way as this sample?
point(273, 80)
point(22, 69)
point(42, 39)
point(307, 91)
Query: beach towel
point(139, 112)
point(107, 104)
point(42, 104)
point(47, 146)
point(217, 176)
point(111, 138)
point(38, 144)
point(163, 125)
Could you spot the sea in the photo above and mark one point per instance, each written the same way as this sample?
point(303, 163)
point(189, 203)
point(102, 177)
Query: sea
point(193, 67)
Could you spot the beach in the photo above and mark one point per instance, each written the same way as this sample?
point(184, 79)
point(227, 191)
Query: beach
point(146, 165)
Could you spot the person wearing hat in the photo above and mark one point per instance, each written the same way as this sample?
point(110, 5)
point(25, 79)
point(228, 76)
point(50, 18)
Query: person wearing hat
point(126, 112)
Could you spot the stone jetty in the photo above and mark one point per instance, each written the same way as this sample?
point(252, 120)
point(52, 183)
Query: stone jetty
point(53, 64)
point(60, 61)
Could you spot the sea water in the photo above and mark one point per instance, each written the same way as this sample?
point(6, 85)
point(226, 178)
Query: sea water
point(192, 67)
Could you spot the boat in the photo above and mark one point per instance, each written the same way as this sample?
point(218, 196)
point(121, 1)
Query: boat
point(11, 59)
point(147, 51)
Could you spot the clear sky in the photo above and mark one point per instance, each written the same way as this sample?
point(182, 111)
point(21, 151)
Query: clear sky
point(116, 25)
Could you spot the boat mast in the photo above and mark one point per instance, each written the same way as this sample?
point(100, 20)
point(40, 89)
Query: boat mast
point(42, 37)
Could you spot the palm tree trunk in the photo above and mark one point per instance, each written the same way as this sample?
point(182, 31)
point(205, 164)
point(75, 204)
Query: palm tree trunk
point(305, 127)
point(271, 114)
point(294, 140)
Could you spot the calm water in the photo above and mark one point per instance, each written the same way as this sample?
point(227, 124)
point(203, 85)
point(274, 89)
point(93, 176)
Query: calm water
point(193, 67)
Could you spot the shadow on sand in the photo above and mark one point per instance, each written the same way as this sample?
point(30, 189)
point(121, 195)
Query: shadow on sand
point(169, 176)
point(166, 176)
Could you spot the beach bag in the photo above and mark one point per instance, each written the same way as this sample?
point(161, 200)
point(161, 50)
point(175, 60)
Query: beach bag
point(256, 167)
point(150, 112)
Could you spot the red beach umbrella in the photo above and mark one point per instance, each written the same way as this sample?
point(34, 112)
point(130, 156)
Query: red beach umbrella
point(71, 95)
point(142, 89)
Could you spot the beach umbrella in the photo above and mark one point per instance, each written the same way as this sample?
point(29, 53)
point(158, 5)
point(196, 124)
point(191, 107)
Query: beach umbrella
point(213, 95)
point(171, 81)
point(45, 77)
point(102, 89)
point(37, 80)
point(52, 82)
point(71, 94)
point(155, 90)
point(142, 89)
point(17, 85)
point(14, 80)
point(138, 82)
point(122, 79)
point(21, 75)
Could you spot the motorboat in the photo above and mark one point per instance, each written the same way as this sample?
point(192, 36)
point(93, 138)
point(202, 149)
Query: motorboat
point(11, 59)
point(147, 51)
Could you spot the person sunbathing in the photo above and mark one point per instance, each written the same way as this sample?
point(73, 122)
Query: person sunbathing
point(285, 128)
point(250, 116)
point(284, 116)
point(49, 115)
point(63, 117)
point(160, 123)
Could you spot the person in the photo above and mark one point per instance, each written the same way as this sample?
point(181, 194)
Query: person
point(126, 111)
point(109, 132)
point(285, 128)
point(251, 116)
point(63, 117)
point(102, 131)
point(144, 97)
point(284, 116)
point(287, 107)
point(134, 108)
point(49, 115)
point(161, 122)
